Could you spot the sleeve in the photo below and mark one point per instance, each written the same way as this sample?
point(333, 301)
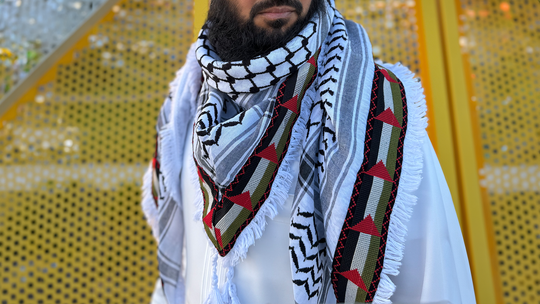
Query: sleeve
point(435, 267)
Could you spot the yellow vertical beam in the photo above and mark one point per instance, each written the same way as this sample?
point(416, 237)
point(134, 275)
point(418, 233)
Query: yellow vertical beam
point(435, 84)
point(476, 219)
point(200, 10)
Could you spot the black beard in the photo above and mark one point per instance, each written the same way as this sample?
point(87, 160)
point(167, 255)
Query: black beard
point(234, 39)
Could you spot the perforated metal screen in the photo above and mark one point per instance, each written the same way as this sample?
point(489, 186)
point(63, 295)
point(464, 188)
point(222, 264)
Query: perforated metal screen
point(392, 28)
point(501, 41)
point(71, 228)
point(71, 161)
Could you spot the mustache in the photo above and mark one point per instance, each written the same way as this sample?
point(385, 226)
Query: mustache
point(261, 6)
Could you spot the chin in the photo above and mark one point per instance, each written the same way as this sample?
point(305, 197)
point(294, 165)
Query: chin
point(278, 25)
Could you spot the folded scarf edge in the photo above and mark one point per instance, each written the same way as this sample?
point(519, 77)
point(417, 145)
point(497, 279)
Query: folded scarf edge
point(278, 195)
point(410, 180)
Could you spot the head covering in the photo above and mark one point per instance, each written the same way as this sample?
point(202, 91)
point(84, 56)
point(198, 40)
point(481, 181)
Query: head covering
point(353, 126)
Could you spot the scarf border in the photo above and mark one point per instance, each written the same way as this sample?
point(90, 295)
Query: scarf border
point(411, 176)
point(342, 255)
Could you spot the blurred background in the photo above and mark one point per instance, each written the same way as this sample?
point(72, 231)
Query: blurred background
point(81, 83)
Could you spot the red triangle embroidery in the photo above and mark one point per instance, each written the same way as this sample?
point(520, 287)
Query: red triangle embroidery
point(292, 104)
point(388, 117)
point(312, 61)
point(243, 200)
point(208, 218)
point(199, 173)
point(354, 276)
point(367, 226)
point(387, 76)
point(269, 153)
point(380, 171)
point(218, 237)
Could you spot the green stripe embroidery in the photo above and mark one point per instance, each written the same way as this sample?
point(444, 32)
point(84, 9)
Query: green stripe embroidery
point(370, 265)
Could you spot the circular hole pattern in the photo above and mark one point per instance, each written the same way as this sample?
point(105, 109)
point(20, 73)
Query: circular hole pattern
point(72, 159)
point(501, 43)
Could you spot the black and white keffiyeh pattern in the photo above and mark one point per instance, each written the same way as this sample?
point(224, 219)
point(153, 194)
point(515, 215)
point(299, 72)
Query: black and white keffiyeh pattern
point(236, 105)
point(236, 98)
point(256, 74)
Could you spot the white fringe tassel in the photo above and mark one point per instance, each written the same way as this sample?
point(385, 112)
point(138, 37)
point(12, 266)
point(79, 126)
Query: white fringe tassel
point(411, 175)
point(229, 291)
point(214, 297)
point(148, 205)
point(196, 184)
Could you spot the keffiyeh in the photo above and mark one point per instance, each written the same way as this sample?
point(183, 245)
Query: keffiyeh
point(353, 126)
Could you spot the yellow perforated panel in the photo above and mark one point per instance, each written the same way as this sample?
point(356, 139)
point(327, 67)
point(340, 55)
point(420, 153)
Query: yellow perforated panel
point(501, 41)
point(71, 163)
point(391, 25)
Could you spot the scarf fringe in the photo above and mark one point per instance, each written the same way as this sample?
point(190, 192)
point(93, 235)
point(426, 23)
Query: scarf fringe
point(196, 184)
point(148, 204)
point(228, 296)
point(171, 172)
point(411, 175)
point(182, 111)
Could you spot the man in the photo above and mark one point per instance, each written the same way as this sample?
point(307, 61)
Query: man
point(290, 167)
